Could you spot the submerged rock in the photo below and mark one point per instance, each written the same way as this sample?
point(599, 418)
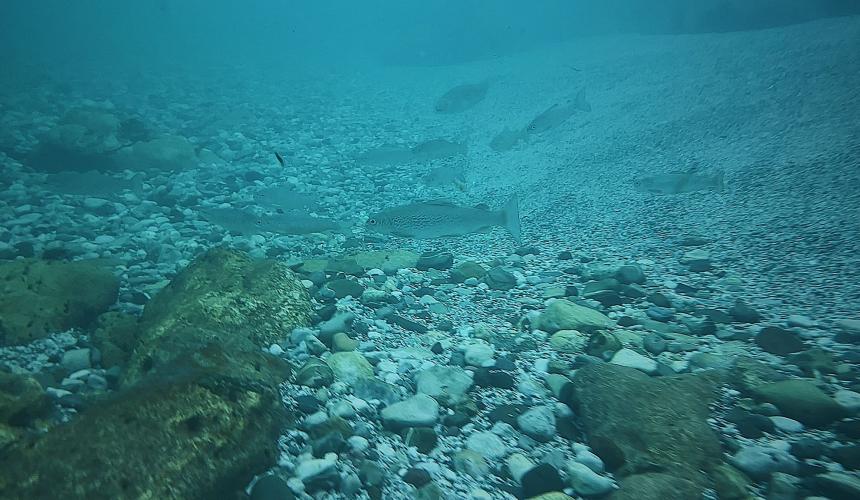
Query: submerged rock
point(38, 297)
point(223, 297)
point(200, 429)
point(562, 314)
point(637, 423)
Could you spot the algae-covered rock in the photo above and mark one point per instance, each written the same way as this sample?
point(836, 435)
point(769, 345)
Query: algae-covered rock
point(637, 423)
point(23, 407)
point(562, 314)
point(226, 297)
point(200, 429)
point(39, 297)
point(387, 260)
point(115, 335)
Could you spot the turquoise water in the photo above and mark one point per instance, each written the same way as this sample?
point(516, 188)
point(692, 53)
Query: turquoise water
point(459, 250)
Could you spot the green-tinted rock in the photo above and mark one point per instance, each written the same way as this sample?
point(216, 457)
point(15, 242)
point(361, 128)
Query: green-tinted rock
point(568, 341)
point(636, 422)
point(223, 297)
point(802, 401)
point(344, 287)
point(731, 484)
point(167, 152)
point(201, 429)
point(83, 139)
point(749, 373)
point(422, 438)
point(565, 315)
point(115, 335)
point(349, 366)
point(39, 297)
point(314, 373)
point(23, 406)
point(466, 270)
point(656, 486)
point(602, 345)
point(813, 361)
point(341, 342)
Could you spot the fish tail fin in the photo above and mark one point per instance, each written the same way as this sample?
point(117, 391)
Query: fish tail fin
point(581, 103)
point(511, 214)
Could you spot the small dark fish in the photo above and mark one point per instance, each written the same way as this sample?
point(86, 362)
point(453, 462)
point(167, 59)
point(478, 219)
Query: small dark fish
point(280, 159)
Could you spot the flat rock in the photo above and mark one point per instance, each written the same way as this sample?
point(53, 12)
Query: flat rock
point(418, 411)
point(562, 314)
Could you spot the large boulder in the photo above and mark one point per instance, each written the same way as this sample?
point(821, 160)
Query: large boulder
point(83, 139)
point(225, 297)
point(166, 152)
point(201, 428)
point(640, 424)
point(40, 297)
point(23, 405)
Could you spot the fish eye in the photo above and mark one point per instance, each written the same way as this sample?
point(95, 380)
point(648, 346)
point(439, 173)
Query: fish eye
point(371, 221)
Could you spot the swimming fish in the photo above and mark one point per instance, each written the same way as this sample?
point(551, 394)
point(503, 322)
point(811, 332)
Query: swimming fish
point(280, 159)
point(247, 223)
point(462, 97)
point(434, 219)
point(681, 182)
point(285, 197)
point(507, 139)
point(557, 114)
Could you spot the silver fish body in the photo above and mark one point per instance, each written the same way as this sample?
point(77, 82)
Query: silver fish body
point(435, 219)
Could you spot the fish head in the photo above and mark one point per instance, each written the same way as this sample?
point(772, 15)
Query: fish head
point(379, 223)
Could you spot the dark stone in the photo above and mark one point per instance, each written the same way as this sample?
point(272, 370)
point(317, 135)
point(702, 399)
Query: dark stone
point(848, 456)
point(630, 274)
point(564, 255)
point(750, 425)
point(416, 477)
point(344, 286)
point(491, 377)
point(437, 348)
point(422, 438)
point(656, 486)
point(307, 404)
point(813, 361)
point(571, 291)
point(507, 413)
point(505, 364)
point(271, 487)
point(684, 289)
point(608, 298)
point(332, 442)
point(457, 419)
point(602, 345)
point(435, 260)
point(778, 341)
point(74, 401)
point(700, 327)
point(541, 479)
point(527, 250)
point(406, 324)
point(849, 428)
point(693, 241)
point(717, 316)
point(743, 313)
point(368, 388)
point(499, 279)
point(659, 300)
point(807, 447)
point(325, 313)
point(627, 321)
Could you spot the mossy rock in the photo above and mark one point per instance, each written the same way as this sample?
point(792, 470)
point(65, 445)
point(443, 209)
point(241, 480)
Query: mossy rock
point(85, 138)
point(224, 297)
point(201, 429)
point(22, 400)
point(115, 334)
point(803, 401)
point(656, 486)
point(638, 424)
point(40, 297)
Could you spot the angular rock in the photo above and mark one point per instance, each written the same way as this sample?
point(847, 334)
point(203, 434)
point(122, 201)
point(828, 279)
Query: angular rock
point(349, 366)
point(223, 297)
point(201, 428)
point(635, 422)
point(446, 384)
point(418, 411)
point(802, 401)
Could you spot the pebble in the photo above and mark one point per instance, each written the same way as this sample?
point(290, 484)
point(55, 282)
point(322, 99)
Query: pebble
point(632, 359)
point(479, 354)
point(446, 384)
point(587, 482)
point(76, 359)
point(487, 444)
point(311, 469)
point(787, 425)
point(418, 411)
point(759, 462)
point(538, 423)
point(849, 400)
point(518, 465)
